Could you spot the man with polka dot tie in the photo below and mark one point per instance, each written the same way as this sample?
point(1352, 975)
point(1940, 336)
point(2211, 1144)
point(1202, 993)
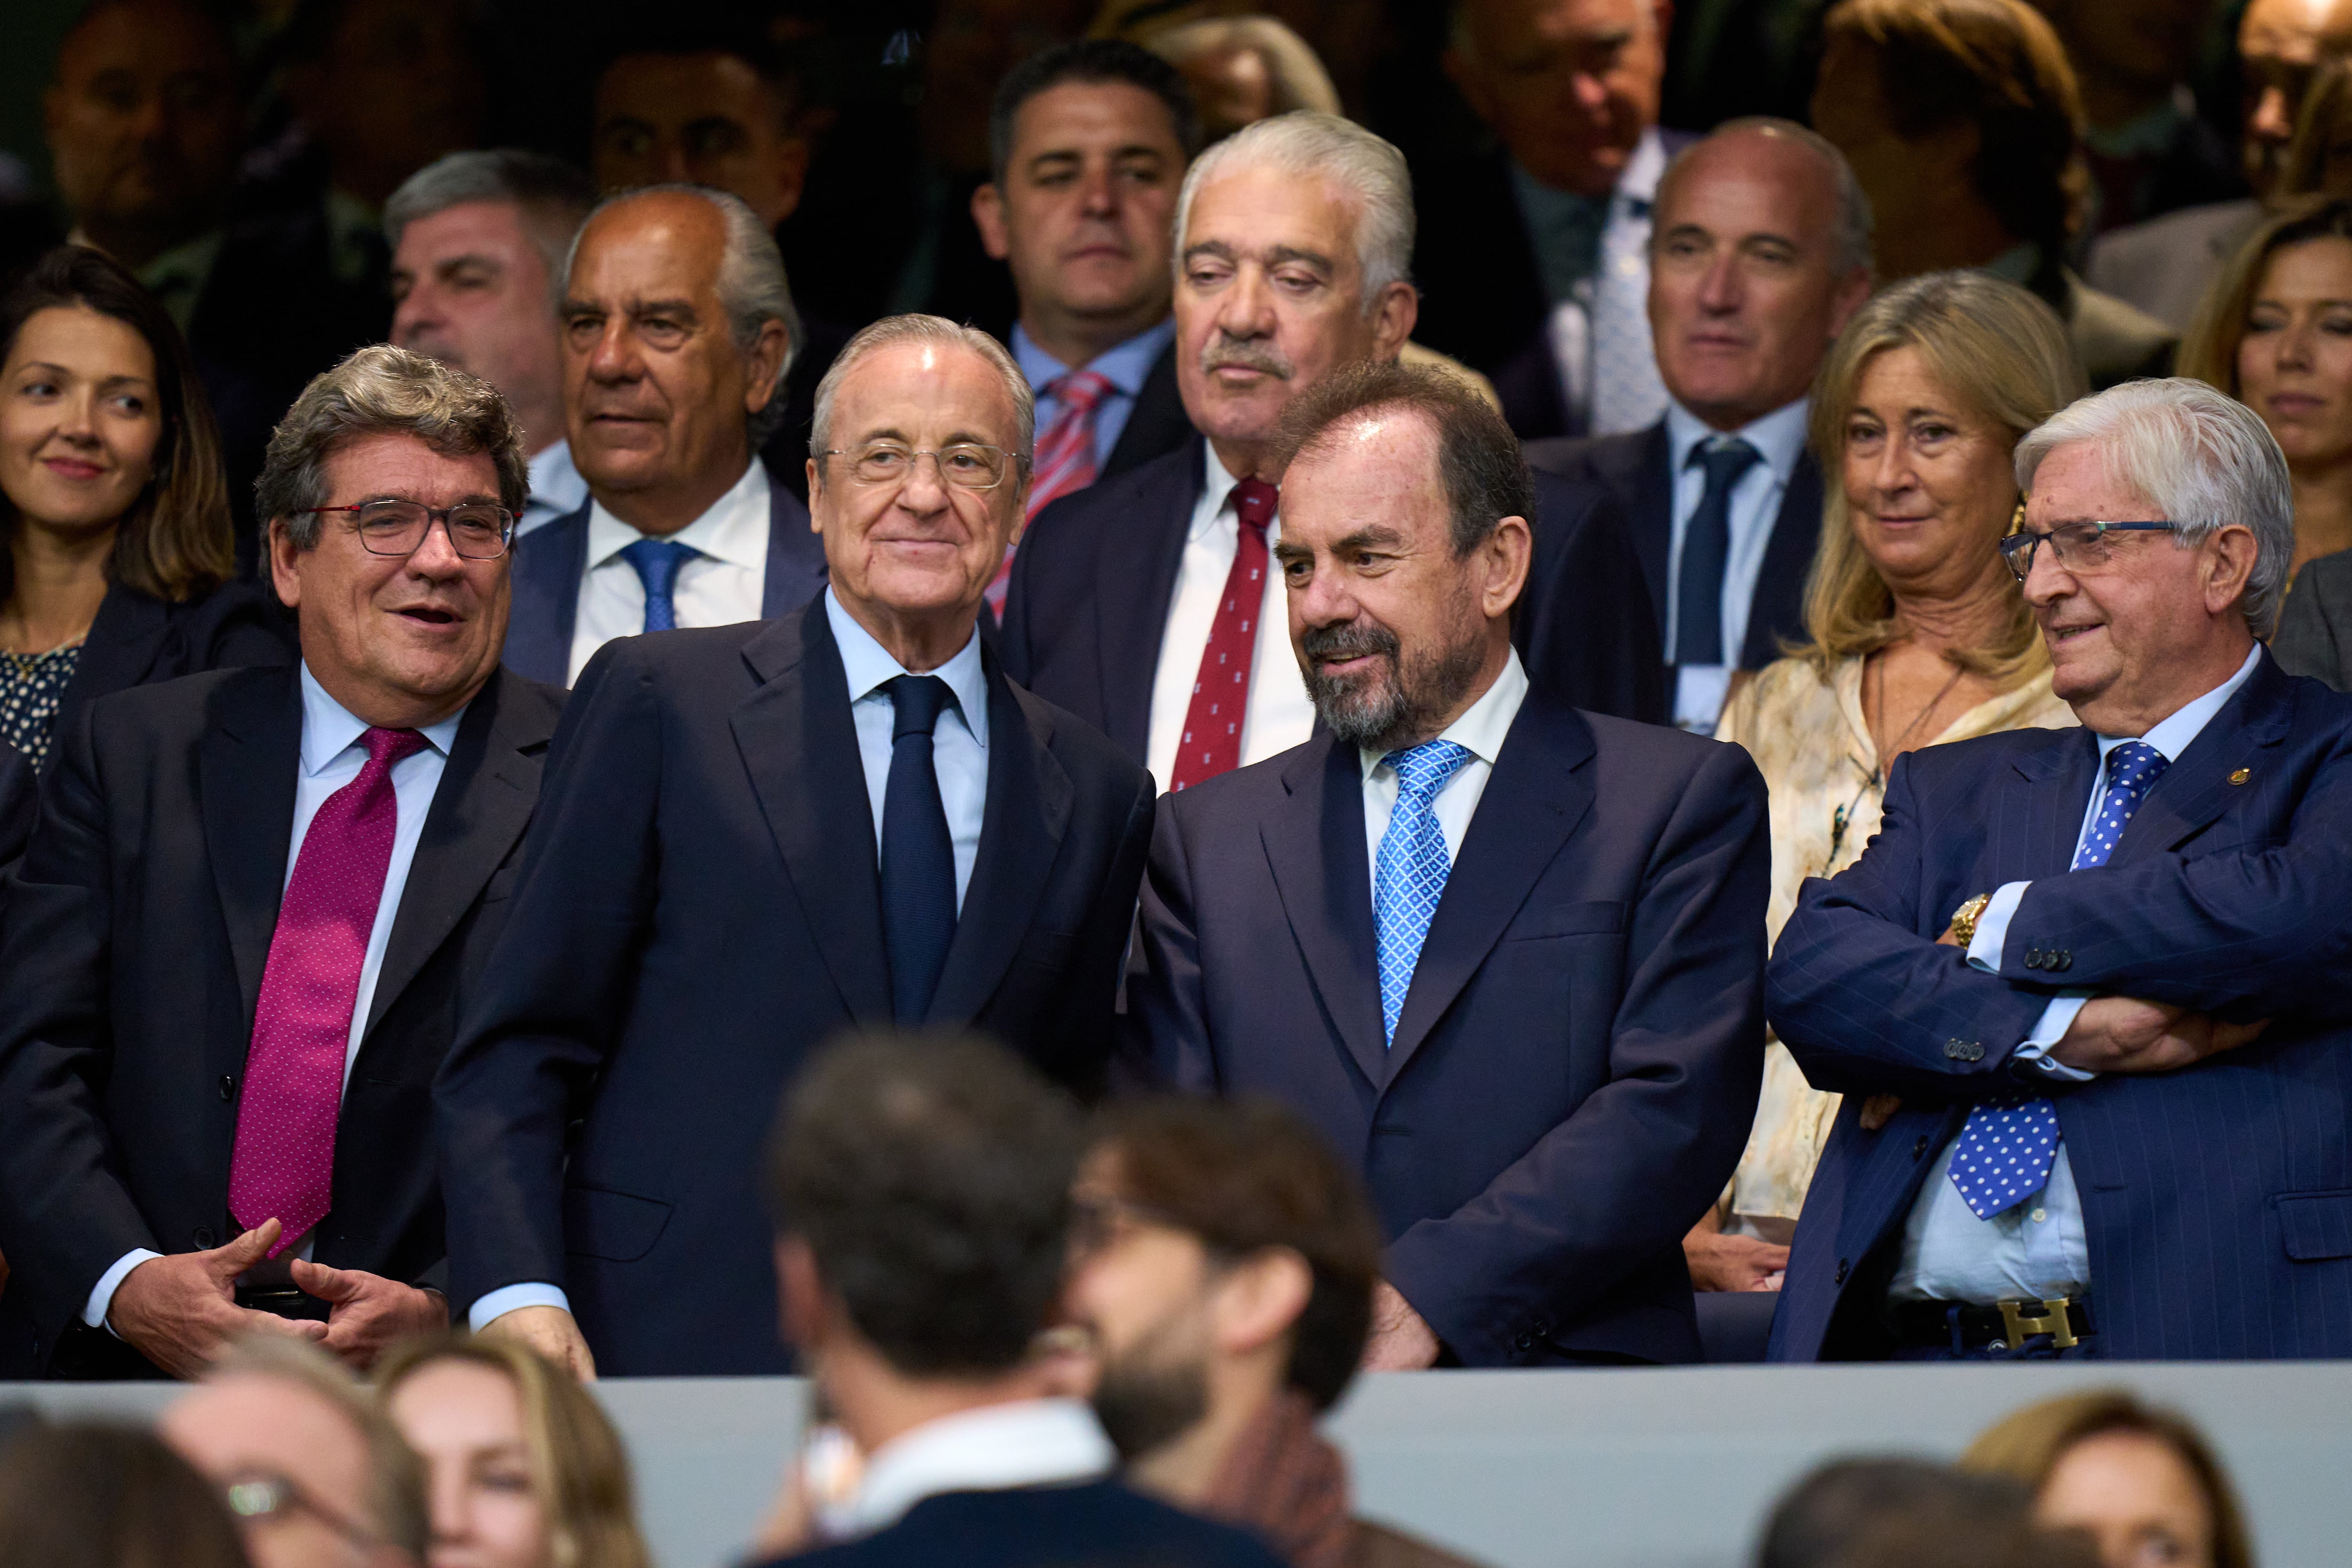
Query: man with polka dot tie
point(2080, 992)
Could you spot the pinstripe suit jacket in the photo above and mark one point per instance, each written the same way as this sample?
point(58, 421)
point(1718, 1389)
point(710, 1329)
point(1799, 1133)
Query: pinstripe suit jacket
point(2217, 1199)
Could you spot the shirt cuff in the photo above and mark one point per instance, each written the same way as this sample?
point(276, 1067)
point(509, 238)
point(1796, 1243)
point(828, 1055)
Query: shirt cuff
point(2055, 1020)
point(101, 1295)
point(1993, 927)
point(511, 1298)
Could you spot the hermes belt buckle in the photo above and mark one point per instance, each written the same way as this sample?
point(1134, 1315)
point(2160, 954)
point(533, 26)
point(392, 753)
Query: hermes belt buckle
point(2052, 1321)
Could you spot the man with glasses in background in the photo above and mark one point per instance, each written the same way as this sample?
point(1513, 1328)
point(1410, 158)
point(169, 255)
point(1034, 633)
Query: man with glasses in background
point(239, 947)
point(759, 836)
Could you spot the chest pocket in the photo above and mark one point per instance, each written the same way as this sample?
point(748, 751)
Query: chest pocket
point(1594, 918)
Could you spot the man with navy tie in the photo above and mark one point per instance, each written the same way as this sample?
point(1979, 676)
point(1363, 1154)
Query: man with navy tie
point(2085, 993)
point(677, 330)
point(757, 838)
point(1508, 953)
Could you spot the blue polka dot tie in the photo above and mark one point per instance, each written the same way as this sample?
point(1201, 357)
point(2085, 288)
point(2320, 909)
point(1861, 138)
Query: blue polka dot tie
point(656, 562)
point(1409, 876)
point(2009, 1143)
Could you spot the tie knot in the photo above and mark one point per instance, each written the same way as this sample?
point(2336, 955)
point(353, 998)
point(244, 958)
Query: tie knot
point(1422, 771)
point(1253, 503)
point(1725, 459)
point(1080, 390)
point(656, 562)
point(2135, 765)
point(915, 701)
point(388, 747)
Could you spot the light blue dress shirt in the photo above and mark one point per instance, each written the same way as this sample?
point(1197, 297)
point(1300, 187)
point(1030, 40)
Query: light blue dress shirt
point(1126, 367)
point(1779, 437)
point(333, 754)
point(2035, 1250)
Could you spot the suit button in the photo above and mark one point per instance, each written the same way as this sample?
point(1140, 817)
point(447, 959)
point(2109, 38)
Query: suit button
point(1839, 1278)
point(1919, 1147)
point(2062, 959)
point(2032, 958)
point(227, 1087)
point(1525, 1342)
point(1964, 1050)
point(204, 1237)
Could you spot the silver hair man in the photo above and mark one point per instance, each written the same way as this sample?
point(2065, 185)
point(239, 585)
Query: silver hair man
point(895, 329)
point(1306, 144)
point(550, 195)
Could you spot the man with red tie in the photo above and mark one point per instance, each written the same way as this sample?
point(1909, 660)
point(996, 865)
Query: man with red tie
point(239, 948)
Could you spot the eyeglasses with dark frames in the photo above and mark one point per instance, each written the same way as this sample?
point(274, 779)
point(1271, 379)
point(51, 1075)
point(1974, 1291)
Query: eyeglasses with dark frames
point(966, 465)
point(2081, 547)
point(478, 530)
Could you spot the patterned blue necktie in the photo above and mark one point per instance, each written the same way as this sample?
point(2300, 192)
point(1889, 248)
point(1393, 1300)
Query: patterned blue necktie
point(1411, 875)
point(656, 562)
point(2009, 1143)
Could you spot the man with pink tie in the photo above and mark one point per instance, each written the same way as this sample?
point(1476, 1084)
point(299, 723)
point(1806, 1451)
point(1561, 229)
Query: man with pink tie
point(238, 950)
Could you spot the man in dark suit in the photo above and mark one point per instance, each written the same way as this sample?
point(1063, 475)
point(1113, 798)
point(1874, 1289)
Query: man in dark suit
point(1760, 250)
point(677, 330)
point(757, 836)
point(239, 946)
point(2083, 993)
point(1124, 595)
point(1508, 955)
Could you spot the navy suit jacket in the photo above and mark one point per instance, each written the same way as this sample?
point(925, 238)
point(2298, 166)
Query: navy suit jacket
point(550, 561)
point(1096, 574)
point(1636, 468)
point(1097, 1524)
point(1576, 1067)
point(699, 909)
point(2217, 1199)
point(138, 639)
point(17, 810)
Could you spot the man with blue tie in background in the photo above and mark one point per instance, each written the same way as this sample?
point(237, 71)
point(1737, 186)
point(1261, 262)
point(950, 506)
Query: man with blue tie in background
point(1508, 953)
point(759, 836)
point(2085, 993)
point(677, 330)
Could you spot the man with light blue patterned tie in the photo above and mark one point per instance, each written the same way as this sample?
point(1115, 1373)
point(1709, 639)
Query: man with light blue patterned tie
point(2084, 991)
point(1507, 950)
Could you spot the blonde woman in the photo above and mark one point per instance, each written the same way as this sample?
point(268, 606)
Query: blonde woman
point(1917, 636)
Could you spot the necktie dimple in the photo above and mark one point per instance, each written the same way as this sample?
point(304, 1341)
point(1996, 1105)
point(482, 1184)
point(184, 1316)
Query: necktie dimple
point(1409, 876)
point(919, 891)
point(2009, 1145)
point(1707, 551)
point(656, 562)
point(284, 1160)
point(1065, 457)
point(1211, 741)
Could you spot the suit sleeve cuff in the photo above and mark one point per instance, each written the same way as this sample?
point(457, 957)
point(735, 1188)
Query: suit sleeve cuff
point(1992, 928)
point(101, 1295)
point(2056, 1018)
point(511, 1298)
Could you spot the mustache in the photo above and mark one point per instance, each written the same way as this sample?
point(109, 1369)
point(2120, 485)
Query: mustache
point(1245, 354)
point(1352, 640)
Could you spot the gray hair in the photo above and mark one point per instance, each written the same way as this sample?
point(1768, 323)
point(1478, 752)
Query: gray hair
point(753, 289)
point(1850, 242)
point(382, 390)
point(2202, 458)
point(891, 330)
point(1305, 145)
point(550, 195)
point(396, 1494)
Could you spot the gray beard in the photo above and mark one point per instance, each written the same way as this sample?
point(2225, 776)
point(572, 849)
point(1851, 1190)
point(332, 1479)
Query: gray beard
point(1402, 700)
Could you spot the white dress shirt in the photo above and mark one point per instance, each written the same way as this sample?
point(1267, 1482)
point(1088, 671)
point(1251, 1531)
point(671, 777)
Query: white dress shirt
point(556, 488)
point(1779, 439)
point(1481, 729)
point(334, 752)
point(1280, 716)
point(1031, 1443)
point(2036, 1250)
point(721, 586)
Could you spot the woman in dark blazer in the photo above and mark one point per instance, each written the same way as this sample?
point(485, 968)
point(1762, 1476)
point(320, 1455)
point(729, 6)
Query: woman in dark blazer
point(113, 504)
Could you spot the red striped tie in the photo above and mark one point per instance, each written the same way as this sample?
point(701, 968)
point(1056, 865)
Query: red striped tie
point(1065, 456)
point(1212, 722)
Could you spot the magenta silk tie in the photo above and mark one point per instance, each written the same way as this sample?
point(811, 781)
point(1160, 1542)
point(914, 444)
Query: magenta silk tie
point(285, 1161)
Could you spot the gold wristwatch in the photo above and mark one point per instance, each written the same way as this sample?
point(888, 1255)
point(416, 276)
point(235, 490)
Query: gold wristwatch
point(1965, 918)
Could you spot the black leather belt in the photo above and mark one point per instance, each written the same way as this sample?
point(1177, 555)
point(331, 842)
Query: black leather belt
point(1966, 1327)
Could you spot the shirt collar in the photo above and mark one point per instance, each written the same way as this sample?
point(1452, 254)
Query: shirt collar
point(555, 482)
point(735, 529)
point(1483, 724)
point(2172, 734)
point(868, 664)
point(1124, 365)
point(1032, 1442)
point(1639, 184)
point(1778, 437)
point(1216, 490)
point(329, 729)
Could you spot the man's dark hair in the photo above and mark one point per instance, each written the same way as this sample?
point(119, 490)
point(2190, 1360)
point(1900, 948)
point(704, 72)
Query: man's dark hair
point(1908, 1513)
point(1247, 1175)
point(1090, 60)
point(692, 32)
point(931, 1178)
point(1478, 459)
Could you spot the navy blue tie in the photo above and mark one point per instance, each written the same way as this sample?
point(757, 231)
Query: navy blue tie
point(918, 888)
point(656, 562)
point(1707, 551)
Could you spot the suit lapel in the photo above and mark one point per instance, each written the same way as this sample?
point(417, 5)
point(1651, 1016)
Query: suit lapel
point(800, 746)
point(1027, 811)
point(123, 644)
point(547, 566)
point(1650, 488)
point(796, 571)
point(2197, 789)
point(1778, 608)
point(1315, 842)
point(1156, 425)
point(1535, 798)
point(2047, 790)
point(1135, 581)
point(479, 809)
point(246, 769)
